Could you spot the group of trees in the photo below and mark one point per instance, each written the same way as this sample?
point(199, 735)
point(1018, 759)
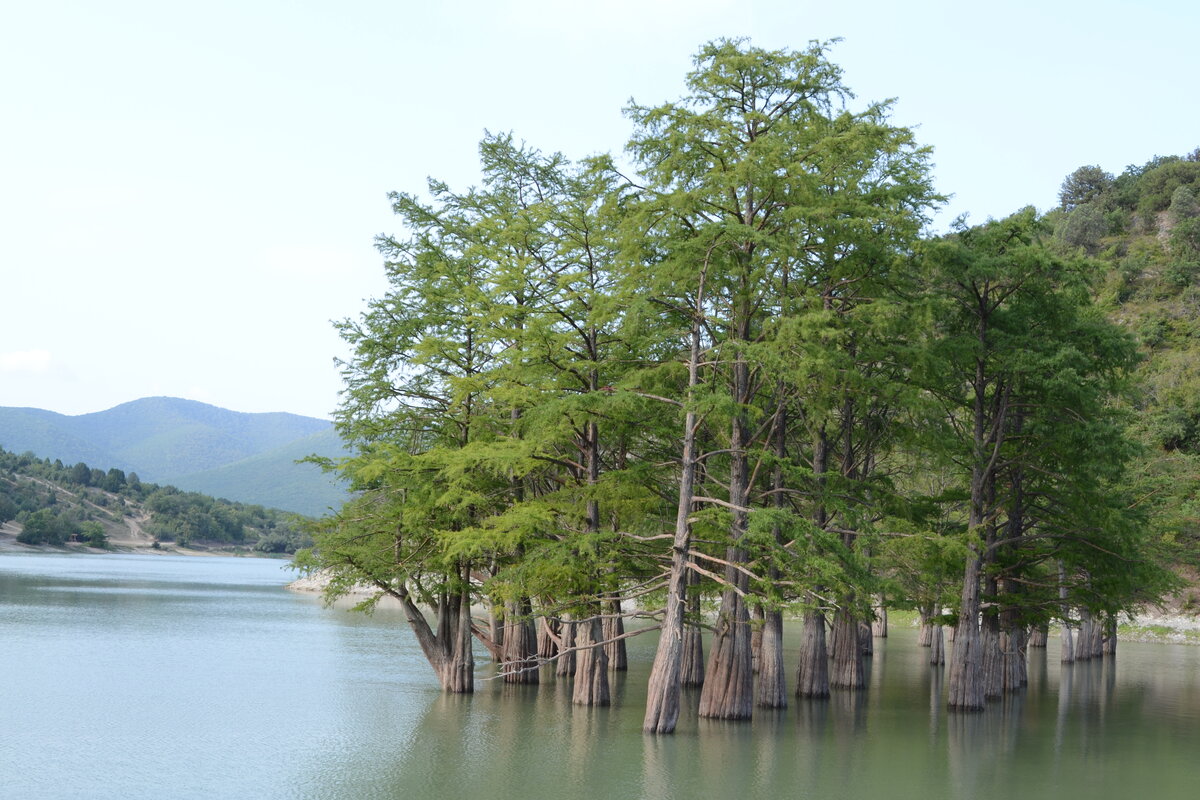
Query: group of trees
point(55, 503)
point(733, 374)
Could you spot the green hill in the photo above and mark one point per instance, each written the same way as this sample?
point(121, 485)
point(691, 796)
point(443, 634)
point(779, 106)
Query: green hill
point(1143, 226)
point(309, 491)
point(246, 457)
point(44, 502)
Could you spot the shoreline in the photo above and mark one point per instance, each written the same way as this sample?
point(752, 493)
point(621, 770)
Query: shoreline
point(1152, 626)
point(9, 544)
point(1155, 627)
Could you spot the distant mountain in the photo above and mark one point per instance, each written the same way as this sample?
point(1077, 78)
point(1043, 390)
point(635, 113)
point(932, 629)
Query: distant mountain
point(196, 446)
point(255, 479)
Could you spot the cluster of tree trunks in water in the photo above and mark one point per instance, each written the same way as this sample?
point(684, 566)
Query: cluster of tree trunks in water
point(750, 672)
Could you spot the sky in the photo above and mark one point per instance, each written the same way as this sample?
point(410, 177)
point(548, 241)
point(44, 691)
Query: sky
point(190, 192)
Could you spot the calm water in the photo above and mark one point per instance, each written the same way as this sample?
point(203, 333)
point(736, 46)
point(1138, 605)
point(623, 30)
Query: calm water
point(164, 677)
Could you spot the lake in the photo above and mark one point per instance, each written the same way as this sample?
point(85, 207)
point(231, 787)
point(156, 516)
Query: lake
point(130, 676)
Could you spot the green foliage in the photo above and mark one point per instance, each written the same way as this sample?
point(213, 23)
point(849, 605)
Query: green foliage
point(92, 533)
point(44, 527)
point(1083, 186)
point(1158, 185)
point(1084, 227)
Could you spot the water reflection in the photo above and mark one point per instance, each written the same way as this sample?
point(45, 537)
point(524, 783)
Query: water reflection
point(226, 686)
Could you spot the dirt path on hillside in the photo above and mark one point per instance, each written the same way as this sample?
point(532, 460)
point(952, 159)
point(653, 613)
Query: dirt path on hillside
point(137, 535)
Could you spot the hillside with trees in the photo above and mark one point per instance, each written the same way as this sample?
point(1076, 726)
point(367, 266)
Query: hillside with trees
point(251, 458)
point(741, 379)
point(48, 503)
point(1142, 228)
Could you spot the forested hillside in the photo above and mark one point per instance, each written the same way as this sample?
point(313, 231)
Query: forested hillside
point(743, 378)
point(1143, 229)
point(51, 503)
point(246, 457)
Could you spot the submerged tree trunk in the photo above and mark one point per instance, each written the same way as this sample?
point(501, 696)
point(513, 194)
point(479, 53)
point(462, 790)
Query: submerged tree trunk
point(496, 631)
point(1013, 647)
point(692, 667)
point(937, 645)
point(591, 664)
point(663, 690)
point(925, 632)
point(848, 670)
point(566, 661)
point(1091, 637)
point(729, 679)
point(812, 676)
point(448, 649)
point(772, 679)
point(866, 642)
point(728, 682)
point(1067, 653)
point(757, 618)
point(454, 633)
point(548, 631)
point(993, 656)
point(879, 627)
point(520, 660)
point(614, 627)
point(772, 688)
point(965, 666)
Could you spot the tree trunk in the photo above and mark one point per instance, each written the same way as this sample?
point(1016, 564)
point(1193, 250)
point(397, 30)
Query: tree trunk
point(728, 691)
point(772, 680)
point(692, 668)
point(729, 681)
point(772, 688)
point(965, 666)
point(866, 642)
point(879, 626)
point(614, 626)
point(591, 664)
point(662, 692)
point(1039, 636)
point(757, 618)
point(937, 645)
point(547, 631)
point(1091, 637)
point(566, 661)
point(457, 668)
point(848, 670)
point(1014, 647)
point(925, 632)
point(993, 656)
point(496, 629)
point(812, 676)
point(448, 650)
point(966, 687)
point(1067, 654)
point(1110, 635)
point(520, 661)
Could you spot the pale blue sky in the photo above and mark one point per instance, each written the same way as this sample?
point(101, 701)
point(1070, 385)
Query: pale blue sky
point(189, 191)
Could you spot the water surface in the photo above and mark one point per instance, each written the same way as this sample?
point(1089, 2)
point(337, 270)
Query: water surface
point(165, 677)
